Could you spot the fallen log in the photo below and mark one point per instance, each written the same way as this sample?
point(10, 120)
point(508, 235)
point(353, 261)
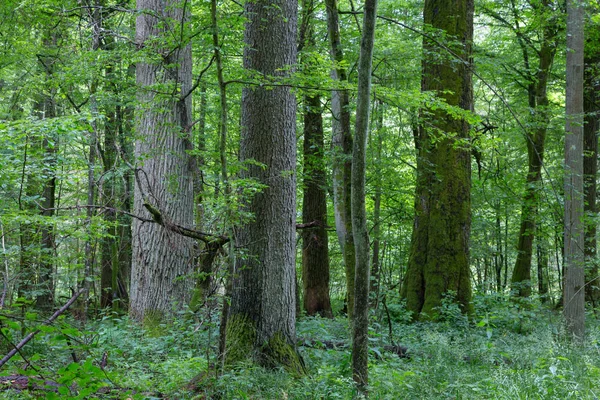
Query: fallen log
point(27, 338)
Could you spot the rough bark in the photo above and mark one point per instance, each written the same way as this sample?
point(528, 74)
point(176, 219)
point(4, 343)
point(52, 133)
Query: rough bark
point(342, 150)
point(162, 261)
point(315, 243)
point(591, 106)
point(574, 302)
point(439, 256)
point(535, 139)
point(360, 325)
point(261, 324)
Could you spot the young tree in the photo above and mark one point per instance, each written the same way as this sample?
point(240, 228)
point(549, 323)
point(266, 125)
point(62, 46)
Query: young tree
point(360, 324)
point(262, 316)
point(342, 148)
point(162, 260)
point(537, 94)
point(439, 255)
point(574, 302)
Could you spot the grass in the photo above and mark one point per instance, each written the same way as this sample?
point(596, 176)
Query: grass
point(505, 351)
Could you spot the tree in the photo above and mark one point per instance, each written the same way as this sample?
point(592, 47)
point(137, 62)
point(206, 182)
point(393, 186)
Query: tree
point(574, 302)
point(360, 324)
point(342, 148)
point(439, 255)
point(315, 248)
point(162, 260)
point(315, 241)
point(591, 105)
point(262, 316)
point(537, 94)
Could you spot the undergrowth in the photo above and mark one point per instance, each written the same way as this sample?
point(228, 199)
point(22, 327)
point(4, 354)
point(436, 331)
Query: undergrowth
point(505, 350)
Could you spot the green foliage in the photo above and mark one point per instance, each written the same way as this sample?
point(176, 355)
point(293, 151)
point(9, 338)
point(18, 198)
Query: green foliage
point(486, 358)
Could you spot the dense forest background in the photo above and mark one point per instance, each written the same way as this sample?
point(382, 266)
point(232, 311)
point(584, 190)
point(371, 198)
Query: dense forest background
point(210, 199)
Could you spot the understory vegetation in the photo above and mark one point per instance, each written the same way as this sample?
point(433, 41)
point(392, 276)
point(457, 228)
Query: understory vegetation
point(506, 350)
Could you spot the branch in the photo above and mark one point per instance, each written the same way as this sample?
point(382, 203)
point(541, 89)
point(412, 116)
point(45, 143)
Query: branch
point(27, 338)
point(182, 230)
point(313, 224)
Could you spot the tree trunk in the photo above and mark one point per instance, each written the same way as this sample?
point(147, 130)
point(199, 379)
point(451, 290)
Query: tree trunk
point(535, 139)
point(574, 302)
point(262, 316)
point(439, 256)
point(360, 326)
point(342, 149)
point(162, 261)
point(47, 110)
point(376, 260)
point(315, 247)
point(591, 106)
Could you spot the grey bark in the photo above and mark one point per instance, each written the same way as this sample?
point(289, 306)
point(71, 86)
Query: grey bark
point(162, 261)
point(360, 334)
point(342, 149)
point(574, 302)
point(591, 106)
point(263, 311)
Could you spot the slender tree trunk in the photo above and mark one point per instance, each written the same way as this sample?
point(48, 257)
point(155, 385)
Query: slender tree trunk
point(535, 139)
point(110, 197)
point(376, 261)
point(574, 302)
point(262, 316)
point(360, 334)
point(439, 255)
point(315, 243)
point(47, 110)
point(342, 149)
point(542, 269)
point(498, 255)
point(162, 261)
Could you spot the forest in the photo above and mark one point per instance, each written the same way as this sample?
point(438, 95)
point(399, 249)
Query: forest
point(299, 199)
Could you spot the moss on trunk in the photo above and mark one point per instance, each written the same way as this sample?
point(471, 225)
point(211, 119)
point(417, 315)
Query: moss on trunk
point(242, 346)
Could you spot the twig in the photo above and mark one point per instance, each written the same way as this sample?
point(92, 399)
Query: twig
point(27, 338)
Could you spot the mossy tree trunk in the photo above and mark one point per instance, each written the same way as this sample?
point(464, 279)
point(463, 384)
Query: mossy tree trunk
point(315, 243)
point(535, 138)
point(162, 261)
point(262, 316)
point(342, 149)
point(439, 256)
point(360, 325)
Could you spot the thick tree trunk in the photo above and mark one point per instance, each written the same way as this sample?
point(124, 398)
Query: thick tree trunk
point(262, 316)
point(315, 243)
point(342, 149)
point(439, 255)
point(574, 302)
point(162, 261)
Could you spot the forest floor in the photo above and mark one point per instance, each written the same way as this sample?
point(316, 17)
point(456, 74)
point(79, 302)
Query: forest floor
point(507, 350)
